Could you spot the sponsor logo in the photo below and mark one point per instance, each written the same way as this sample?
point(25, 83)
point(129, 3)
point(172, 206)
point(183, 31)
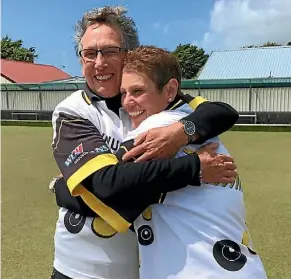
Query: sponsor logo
point(78, 153)
point(113, 143)
point(75, 154)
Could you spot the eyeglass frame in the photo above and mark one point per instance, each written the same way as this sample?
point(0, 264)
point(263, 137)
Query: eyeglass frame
point(120, 49)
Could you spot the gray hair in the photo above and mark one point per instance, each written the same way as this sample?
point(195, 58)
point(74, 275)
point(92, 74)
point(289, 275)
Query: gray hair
point(113, 16)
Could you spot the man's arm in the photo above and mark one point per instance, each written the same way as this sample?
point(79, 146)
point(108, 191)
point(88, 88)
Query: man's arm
point(210, 119)
point(126, 203)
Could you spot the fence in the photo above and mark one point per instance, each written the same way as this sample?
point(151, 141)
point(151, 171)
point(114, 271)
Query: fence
point(246, 96)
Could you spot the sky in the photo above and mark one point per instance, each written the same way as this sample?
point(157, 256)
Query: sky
point(211, 24)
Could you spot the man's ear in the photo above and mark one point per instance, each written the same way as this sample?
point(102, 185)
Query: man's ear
point(82, 66)
point(171, 89)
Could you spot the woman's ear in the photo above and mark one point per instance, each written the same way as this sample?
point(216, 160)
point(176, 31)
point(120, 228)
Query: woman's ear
point(171, 89)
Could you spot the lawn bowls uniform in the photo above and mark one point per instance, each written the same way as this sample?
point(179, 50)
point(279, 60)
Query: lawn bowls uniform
point(87, 247)
point(195, 232)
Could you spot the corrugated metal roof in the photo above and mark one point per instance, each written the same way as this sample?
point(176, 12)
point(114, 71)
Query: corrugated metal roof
point(248, 63)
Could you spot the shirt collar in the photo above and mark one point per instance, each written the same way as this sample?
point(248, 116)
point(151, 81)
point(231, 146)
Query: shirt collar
point(177, 102)
point(91, 95)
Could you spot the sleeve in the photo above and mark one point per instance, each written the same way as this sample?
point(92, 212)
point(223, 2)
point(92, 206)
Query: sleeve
point(210, 118)
point(79, 150)
point(66, 200)
point(94, 174)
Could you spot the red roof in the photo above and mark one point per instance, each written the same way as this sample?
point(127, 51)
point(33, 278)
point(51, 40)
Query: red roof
point(25, 72)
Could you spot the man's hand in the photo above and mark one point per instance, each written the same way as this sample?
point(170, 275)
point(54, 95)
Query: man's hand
point(158, 143)
point(53, 182)
point(217, 168)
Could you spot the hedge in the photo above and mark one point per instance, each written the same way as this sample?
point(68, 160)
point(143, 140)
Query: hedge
point(32, 123)
point(238, 127)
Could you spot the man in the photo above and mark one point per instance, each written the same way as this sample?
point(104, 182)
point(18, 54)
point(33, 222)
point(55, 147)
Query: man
point(87, 129)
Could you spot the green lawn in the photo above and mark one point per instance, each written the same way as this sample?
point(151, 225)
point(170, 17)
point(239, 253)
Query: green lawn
point(29, 212)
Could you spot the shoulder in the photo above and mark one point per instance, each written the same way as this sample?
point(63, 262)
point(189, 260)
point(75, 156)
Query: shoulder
point(162, 119)
point(158, 120)
point(70, 101)
point(74, 105)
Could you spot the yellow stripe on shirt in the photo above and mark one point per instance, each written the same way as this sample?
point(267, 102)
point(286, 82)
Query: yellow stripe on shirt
point(196, 102)
point(115, 220)
point(87, 169)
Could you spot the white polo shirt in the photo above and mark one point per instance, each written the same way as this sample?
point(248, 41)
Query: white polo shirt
point(196, 232)
point(87, 247)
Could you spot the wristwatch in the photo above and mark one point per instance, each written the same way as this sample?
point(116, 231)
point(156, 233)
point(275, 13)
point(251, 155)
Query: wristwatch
point(189, 129)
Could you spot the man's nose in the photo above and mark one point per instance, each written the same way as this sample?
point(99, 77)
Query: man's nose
point(100, 61)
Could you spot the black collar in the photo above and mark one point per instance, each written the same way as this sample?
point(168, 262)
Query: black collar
point(113, 103)
point(177, 102)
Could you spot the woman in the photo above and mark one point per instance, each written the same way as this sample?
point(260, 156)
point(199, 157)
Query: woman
point(195, 232)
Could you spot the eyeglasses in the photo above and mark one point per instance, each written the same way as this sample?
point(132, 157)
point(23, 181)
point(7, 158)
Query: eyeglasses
point(108, 52)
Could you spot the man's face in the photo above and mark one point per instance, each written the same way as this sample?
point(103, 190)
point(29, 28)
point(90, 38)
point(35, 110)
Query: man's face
point(103, 75)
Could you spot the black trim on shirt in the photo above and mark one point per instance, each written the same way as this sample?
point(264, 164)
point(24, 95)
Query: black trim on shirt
point(212, 119)
point(113, 103)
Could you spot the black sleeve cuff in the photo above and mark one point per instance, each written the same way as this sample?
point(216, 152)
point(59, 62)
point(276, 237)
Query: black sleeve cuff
point(212, 119)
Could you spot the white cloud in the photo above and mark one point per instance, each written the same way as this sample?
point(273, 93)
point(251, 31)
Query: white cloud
point(235, 23)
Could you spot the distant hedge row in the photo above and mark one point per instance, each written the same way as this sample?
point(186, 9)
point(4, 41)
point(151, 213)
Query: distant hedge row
point(26, 123)
point(258, 128)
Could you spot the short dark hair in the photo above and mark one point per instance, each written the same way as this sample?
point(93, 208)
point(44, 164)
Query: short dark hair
point(157, 63)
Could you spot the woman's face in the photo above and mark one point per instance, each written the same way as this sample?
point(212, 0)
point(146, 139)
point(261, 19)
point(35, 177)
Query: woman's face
point(141, 98)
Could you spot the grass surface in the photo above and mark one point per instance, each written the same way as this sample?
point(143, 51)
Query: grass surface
point(29, 212)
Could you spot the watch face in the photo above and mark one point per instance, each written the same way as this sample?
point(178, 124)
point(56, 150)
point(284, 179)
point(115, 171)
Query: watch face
point(190, 128)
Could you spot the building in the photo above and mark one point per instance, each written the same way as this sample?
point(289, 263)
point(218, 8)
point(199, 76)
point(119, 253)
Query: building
point(24, 72)
point(248, 63)
point(255, 81)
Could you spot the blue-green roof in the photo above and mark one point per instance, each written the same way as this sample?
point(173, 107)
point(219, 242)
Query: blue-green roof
point(265, 62)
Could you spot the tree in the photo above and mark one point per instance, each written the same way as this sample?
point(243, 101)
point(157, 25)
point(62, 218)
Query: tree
point(268, 44)
point(15, 51)
point(191, 59)
point(250, 46)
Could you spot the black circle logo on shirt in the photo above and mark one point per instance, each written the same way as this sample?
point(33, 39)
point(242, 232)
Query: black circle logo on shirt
point(228, 255)
point(74, 222)
point(145, 235)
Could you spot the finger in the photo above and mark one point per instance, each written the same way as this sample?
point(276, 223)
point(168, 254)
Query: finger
point(224, 158)
point(140, 139)
point(133, 153)
point(230, 173)
point(145, 157)
point(230, 166)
